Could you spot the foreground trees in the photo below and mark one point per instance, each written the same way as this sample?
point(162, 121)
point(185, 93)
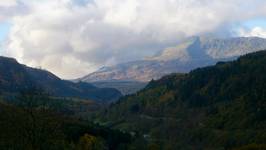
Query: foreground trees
point(217, 107)
point(29, 123)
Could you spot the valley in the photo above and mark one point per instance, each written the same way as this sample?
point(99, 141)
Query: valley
point(132, 75)
point(221, 106)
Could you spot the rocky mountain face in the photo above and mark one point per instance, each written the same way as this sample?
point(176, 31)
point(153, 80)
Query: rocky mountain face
point(225, 48)
point(189, 54)
point(15, 77)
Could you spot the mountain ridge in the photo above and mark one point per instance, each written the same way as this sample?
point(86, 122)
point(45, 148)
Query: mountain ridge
point(186, 56)
point(15, 77)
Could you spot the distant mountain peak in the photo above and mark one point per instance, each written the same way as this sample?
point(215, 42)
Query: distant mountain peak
point(178, 52)
point(218, 48)
point(187, 55)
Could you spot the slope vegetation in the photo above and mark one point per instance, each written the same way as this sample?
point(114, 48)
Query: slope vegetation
point(15, 77)
point(217, 107)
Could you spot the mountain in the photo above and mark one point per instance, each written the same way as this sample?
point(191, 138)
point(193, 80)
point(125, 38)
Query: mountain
point(125, 87)
point(15, 77)
point(187, 55)
point(216, 107)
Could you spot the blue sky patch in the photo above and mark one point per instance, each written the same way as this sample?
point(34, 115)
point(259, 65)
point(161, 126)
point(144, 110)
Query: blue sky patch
point(4, 29)
point(259, 22)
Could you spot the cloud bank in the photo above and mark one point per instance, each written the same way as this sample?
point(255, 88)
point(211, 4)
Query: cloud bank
point(72, 38)
point(256, 31)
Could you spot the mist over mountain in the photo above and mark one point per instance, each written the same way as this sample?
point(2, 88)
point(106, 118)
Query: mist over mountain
point(132, 75)
point(187, 55)
point(125, 87)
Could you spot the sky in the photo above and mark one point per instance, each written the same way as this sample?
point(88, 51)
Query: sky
point(72, 38)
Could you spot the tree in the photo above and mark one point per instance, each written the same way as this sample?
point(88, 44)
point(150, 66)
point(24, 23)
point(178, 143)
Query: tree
point(32, 125)
point(89, 142)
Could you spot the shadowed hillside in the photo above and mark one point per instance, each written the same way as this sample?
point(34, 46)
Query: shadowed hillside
point(15, 77)
point(216, 107)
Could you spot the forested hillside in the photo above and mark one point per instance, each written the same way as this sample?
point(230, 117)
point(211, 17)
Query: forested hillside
point(34, 122)
point(216, 107)
point(15, 77)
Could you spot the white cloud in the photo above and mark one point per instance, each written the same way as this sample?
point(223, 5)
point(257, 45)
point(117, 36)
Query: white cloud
point(256, 31)
point(9, 8)
point(7, 3)
point(72, 39)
